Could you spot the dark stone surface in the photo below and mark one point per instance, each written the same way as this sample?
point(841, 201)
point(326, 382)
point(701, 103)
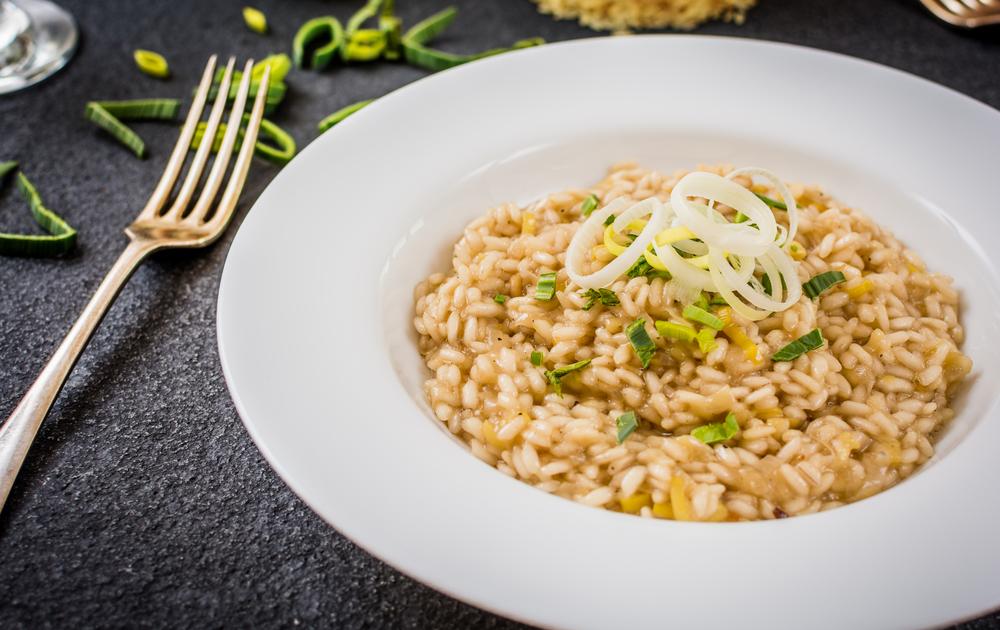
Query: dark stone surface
point(144, 502)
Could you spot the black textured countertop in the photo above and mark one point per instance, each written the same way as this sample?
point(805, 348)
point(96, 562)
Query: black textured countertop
point(144, 502)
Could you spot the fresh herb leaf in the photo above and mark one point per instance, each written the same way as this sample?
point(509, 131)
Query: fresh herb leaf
point(546, 288)
point(717, 431)
point(589, 205)
point(606, 297)
point(642, 268)
point(813, 340)
point(672, 330)
point(536, 358)
point(641, 343)
point(821, 282)
point(627, 424)
point(774, 203)
point(554, 377)
point(500, 298)
point(700, 315)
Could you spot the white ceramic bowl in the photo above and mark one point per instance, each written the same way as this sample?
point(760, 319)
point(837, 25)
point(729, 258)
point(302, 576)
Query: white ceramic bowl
point(318, 349)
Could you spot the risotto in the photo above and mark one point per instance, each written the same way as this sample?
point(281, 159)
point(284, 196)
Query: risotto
point(649, 393)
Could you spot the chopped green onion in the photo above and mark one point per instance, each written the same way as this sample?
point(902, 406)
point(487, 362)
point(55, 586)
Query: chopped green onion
point(641, 343)
point(672, 330)
point(313, 29)
point(546, 288)
point(821, 282)
point(627, 423)
point(589, 205)
point(341, 114)
point(609, 220)
point(500, 298)
point(61, 237)
point(366, 44)
point(606, 297)
point(774, 203)
point(642, 268)
point(554, 377)
point(106, 115)
point(813, 340)
point(151, 63)
point(536, 358)
point(706, 340)
point(255, 20)
point(700, 315)
point(717, 431)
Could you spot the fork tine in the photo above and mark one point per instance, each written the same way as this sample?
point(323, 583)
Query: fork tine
point(204, 203)
point(231, 195)
point(176, 161)
point(197, 167)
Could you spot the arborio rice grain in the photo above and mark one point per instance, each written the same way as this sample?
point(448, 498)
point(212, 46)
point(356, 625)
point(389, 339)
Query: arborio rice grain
point(834, 426)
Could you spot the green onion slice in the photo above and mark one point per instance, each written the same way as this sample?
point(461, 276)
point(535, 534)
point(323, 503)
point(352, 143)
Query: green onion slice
point(536, 358)
point(61, 237)
point(821, 282)
point(627, 423)
point(641, 343)
point(717, 431)
point(672, 330)
point(151, 63)
point(312, 30)
point(813, 340)
point(774, 203)
point(500, 298)
point(606, 297)
point(341, 114)
point(546, 289)
point(255, 20)
point(107, 115)
point(589, 205)
point(700, 315)
point(555, 376)
point(366, 44)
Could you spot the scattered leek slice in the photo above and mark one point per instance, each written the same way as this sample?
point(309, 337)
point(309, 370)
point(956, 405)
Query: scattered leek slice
point(706, 340)
point(813, 340)
point(280, 64)
point(672, 330)
point(151, 63)
point(255, 20)
point(500, 298)
point(341, 114)
point(641, 343)
point(276, 90)
point(609, 220)
point(536, 358)
point(546, 288)
point(108, 115)
point(362, 15)
point(366, 44)
point(280, 153)
point(589, 205)
point(606, 297)
point(774, 203)
point(821, 282)
point(700, 315)
point(61, 237)
point(717, 431)
point(642, 268)
point(392, 27)
point(554, 377)
point(626, 424)
point(310, 31)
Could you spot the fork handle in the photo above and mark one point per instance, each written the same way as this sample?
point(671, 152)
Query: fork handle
point(18, 432)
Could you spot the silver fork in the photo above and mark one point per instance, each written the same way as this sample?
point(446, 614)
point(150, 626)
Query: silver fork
point(965, 13)
point(158, 226)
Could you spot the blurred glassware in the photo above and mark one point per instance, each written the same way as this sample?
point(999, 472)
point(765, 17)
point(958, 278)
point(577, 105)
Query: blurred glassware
point(37, 38)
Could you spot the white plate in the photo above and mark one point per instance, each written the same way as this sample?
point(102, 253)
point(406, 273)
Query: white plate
point(316, 342)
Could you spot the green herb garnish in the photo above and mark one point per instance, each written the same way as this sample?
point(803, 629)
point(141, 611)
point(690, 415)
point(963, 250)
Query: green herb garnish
point(717, 431)
point(589, 205)
point(672, 330)
point(536, 358)
point(700, 315)
point(60, 238)
point(641, 343)
point(546, 288)
point(606, 297)
point(627, 423)
point(821, 282)
point(813, 340)
point(774, 203)
point(555, 376)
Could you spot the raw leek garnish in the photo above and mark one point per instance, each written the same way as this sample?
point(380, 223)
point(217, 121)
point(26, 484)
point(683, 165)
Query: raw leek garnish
point(706, 340)
point(108, 115)
point(546, 288)
point(280, 153)
point(697, 314)
point(589, 205)
point(673, 330)
point(606, 297)
point(327, 27)
point(362, 15)
point(642, 268)
point(60, 238)
point(717, 431)
point(609, 220)
point(341, 114)
point(641, 343)
point(276, 88)
point(774, 203)
point(821, 282)
point(765, 281)
point(151, 63)
point(392, 27)
point(813, 340)
point(500, 298)
point(536, 358)
point(555, 376)
point(255, 20)
point(366, 44)
point(626, 424)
